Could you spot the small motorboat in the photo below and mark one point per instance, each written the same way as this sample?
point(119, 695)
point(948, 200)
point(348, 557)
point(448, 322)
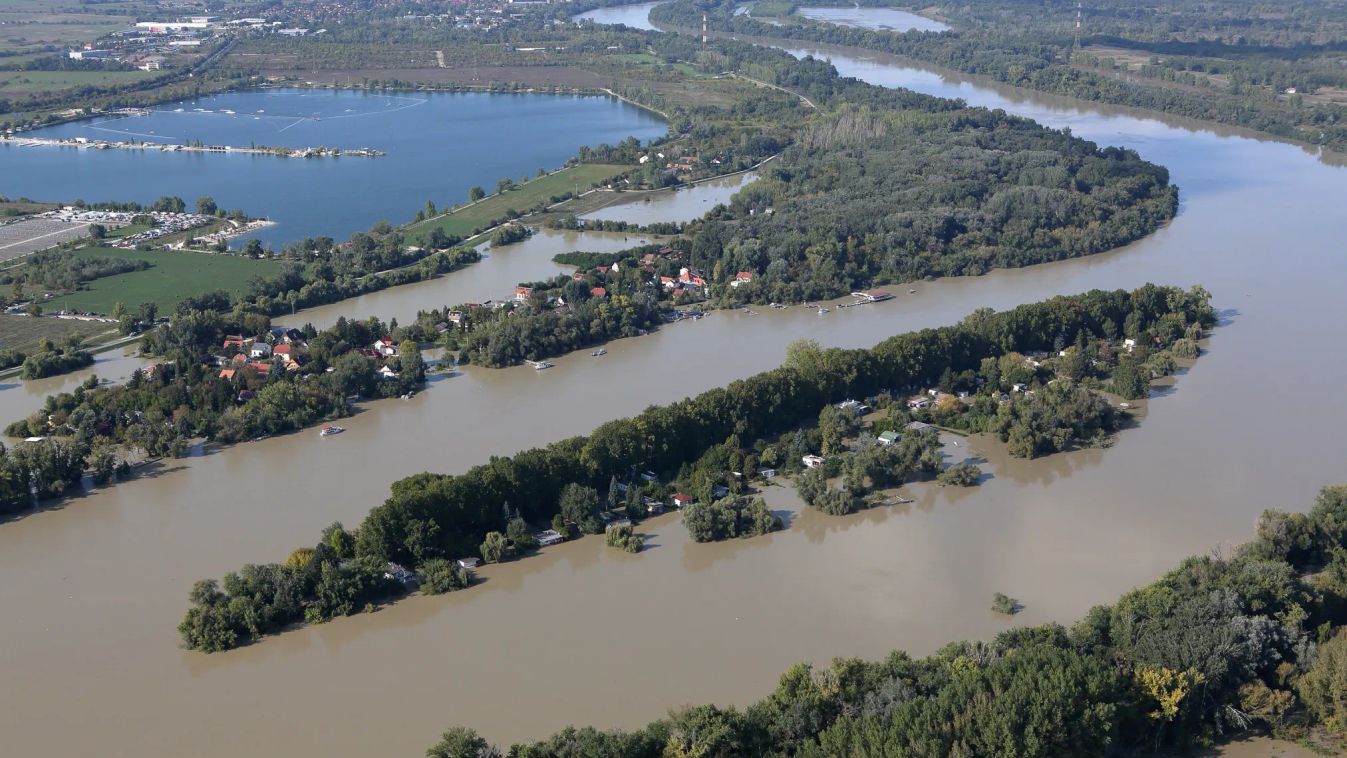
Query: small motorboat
point(329, 430)
point(822, 311)
point(911, 292)
point(598, 352)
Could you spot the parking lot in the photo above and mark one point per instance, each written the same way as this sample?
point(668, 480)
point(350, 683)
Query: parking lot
point(30, 235)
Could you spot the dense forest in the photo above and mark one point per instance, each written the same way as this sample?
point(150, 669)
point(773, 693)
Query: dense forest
point(1219, 646)
point(433, 516)
point(872, 195)
point(1223, 67)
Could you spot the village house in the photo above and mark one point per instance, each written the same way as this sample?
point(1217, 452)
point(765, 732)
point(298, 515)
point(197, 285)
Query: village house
point(468, 563)
point(680, 500)
point(888, 438)
point(234, 342)
point(384, 348)
point(259, 350)
point(284, 335)
point(691, 277)
point(386, 372)
point(521, 294)
point(767, 473)
point(918, 402)
point(598, 293)
point(741, 278)
point(812, 461)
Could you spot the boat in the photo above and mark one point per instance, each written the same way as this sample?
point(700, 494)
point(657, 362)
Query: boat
point(822, 311)
point(329, 430)
point(911, 292)
point(598, 352)
point(539, 365)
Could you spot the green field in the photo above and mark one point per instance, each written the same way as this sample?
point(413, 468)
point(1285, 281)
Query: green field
point(13, 208)
point(171, 277)
point(13, 83)
point(463, 221)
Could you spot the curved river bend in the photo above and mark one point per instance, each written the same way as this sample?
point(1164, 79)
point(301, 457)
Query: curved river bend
point(94, 589)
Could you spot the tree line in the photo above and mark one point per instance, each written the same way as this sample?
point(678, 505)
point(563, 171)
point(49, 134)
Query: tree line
point(1218, 647)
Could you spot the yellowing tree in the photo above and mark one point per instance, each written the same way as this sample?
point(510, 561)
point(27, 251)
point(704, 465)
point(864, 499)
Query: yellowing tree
point(1169, 688)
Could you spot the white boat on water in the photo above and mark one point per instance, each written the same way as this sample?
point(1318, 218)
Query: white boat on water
point(822, 311)
point(598, 352)
point(539, 365)
point(330, 430)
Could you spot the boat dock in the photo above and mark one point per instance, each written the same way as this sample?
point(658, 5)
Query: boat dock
point(283, 152)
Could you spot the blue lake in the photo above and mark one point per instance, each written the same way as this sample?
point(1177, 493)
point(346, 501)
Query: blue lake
point(437, 145)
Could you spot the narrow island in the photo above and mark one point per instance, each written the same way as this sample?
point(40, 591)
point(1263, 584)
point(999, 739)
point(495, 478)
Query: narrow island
point(700, 455)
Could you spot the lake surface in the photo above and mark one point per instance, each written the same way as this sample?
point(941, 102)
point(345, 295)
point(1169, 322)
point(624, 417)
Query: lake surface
point(681, 205)
point(94, 589)
point(437, 145)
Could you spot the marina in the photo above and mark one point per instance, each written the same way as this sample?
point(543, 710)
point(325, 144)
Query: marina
point(83, 143)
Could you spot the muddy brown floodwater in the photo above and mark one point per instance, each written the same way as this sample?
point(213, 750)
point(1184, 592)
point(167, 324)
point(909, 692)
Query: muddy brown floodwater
point(90, 658)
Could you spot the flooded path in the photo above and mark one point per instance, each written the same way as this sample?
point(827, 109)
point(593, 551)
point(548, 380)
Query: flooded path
point(94, 589)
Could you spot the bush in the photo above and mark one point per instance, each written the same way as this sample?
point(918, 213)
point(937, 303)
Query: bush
point(729, 517)
point(624, 537)
point(960, 475)
point(1324, 687)
point(1003, 603)
point(438, 576)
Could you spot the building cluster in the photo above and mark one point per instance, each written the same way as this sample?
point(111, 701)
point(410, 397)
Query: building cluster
point(286, 349)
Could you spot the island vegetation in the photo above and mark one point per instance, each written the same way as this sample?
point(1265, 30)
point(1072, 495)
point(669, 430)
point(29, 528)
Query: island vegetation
point(1218, 647)
point(696, 443)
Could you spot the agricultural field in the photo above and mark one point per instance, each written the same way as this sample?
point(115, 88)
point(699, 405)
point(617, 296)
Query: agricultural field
point(15, 208)
point(25, 333)
point(462, 222)
point(171, 277)
point(28, 26)
point(19, 83)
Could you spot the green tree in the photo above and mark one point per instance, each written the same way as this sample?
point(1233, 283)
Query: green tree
point(517, 531)
point(493, 547)
point(439, 575)
point(475, 194)
point(1324, 687)
point(461, 742)
point(580, 505)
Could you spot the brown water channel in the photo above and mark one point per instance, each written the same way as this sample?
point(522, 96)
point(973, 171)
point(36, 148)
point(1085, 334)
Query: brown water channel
point(89, 655)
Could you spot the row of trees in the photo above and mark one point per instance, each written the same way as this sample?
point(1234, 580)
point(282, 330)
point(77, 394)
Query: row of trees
point(1217, 647)
point(429, 516)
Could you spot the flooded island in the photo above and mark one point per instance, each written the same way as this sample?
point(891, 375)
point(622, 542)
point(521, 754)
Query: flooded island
point(743, 344)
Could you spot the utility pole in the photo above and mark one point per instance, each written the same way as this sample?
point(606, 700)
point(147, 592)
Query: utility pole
point(703, 32)
point(1078, 16)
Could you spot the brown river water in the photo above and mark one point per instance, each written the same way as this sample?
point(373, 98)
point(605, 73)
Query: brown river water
point(582, 633)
